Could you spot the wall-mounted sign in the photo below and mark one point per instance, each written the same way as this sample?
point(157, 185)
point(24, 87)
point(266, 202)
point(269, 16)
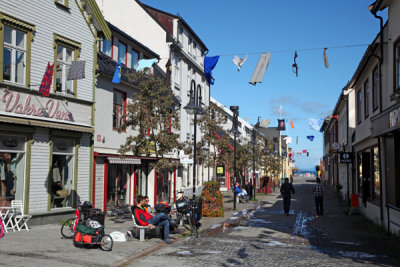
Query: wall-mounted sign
point(220, 170)
point(346, 157)
point(184, 158)
point(24, 104)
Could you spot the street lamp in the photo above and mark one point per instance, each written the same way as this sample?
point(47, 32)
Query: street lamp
point(234, 131)
point(194, 108)
point(254, 142)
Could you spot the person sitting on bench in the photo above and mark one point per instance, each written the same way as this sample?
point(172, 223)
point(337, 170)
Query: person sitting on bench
point(239, 192)
point(146, 219)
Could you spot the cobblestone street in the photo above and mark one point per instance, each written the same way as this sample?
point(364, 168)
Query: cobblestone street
point(265, 237)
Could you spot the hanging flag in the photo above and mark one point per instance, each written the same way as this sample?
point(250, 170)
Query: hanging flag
point(308, 153)
point(288, 140)
point(145, 63)
point(117, 73)
point(297, 140)
point(298, 153)
point(261, 67)
point(310, 137)
point(295, 68)
point(281, 125)
point(291, 124)
point(334, 117)
point(239, 61)
point(315, 124)
point(304, 151)
point(209, 65)
point(76, 70)
point(326, 63)
point(45, 85)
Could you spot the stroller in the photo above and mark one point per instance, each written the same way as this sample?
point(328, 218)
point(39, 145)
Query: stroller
point(91, 230)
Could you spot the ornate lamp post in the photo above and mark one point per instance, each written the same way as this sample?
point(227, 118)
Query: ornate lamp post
point(234, 131)
point(194, 108)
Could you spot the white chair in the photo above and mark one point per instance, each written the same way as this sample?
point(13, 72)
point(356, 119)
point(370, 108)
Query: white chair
point(7, 217)
point(20, 218)
point(142, 229)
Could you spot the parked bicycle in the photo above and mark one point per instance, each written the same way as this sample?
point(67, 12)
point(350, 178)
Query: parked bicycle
point(68, 229)
point(191, 211)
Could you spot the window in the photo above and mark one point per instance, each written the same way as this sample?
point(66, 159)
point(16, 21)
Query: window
point(64, 59)
point(107, 46)
point(61, 178)
point(122, 52)
point(190, 48)
point(119, 108)
point(65, 52)
point(397, 66)
point(180, 35)
point(366, 99)
point(375, 88)
point(135, 58)
point(376, 173)
point(359, 169)
point(14, 55)
point(177, 72)
point(359, 104)
point(194, 49)
point(12, 168)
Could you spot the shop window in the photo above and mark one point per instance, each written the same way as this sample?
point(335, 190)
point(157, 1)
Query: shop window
point(366, 99)
point(122, 52)
point(375, 88)
point(135, 58)
point(61, 178)
point(119, 109)
point(14, 55)
point(377, 175)
point(66, 51)
point(118, 184)
point(12, 169)
point(107, 47)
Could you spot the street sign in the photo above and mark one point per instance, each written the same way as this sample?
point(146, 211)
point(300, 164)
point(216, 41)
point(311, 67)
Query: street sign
point(346, 157)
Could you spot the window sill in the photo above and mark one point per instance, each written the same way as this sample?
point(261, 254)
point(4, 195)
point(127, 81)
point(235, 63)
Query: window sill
point(61, 5)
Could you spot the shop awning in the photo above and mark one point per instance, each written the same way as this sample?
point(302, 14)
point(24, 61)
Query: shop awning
point(114, 160)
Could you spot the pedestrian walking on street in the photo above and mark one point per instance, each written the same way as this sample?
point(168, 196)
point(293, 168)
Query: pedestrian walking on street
point(286, 191)
point(318, 190)
point(249, 189)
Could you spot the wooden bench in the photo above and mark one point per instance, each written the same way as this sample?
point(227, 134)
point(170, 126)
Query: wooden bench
point(142, 229)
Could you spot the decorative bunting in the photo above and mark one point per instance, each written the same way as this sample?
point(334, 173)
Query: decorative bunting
point(310, 137)
point(291, 124)
point(326, 63)
point(44, 88)
point(117, 73)
point(304, 151)
point(295, 68)
point(261, 67)
point(315, 124)
point(239, 61)
point(281, 125)
point(209, 65)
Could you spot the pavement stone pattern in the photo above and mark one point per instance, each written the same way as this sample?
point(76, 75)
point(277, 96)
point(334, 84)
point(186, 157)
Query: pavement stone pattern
point(257, 234)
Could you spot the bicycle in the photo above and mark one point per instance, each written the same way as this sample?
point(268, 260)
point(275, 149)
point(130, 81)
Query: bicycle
point(190, 211)
point(68, 228)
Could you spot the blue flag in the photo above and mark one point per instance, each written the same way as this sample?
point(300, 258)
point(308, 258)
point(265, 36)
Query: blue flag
point(310, 137)
point(117, 74)
point(209, 65)
point(315, 124)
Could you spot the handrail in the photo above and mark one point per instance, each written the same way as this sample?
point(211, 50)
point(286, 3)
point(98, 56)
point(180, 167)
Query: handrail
point(388, 216)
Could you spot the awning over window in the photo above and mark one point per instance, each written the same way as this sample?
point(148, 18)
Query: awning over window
point(113, 160)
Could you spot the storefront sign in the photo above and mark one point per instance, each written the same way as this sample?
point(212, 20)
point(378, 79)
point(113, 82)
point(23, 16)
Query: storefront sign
point(185, 158)
point(14, 102)
point(394, 118)
point(346, 157)
point(220, 170)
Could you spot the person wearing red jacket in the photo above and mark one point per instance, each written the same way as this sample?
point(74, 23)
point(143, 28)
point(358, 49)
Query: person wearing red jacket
point(144, 218)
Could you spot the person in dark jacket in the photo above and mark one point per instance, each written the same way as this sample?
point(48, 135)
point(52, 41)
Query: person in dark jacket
point(144, 218)
point(249, 189)
point(286, 191)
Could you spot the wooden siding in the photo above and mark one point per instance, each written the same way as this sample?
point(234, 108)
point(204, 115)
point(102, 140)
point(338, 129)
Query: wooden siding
point(40, 156)
point(84, 168)
point(50, 18)
point(99, 187)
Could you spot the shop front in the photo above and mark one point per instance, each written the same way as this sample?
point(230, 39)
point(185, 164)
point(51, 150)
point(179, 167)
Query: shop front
point(45, 146)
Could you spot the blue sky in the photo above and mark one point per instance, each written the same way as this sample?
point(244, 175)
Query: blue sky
point(230, 27)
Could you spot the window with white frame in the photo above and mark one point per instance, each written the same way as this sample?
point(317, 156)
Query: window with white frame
point(65, 55)
point(135, 58)
point(177, 72)
point(194, 50)
point(359, 105)
point(189, 78)
point(119, 108)
point(14, 55)
point(122, 52)
point(180, 35)
point(107, 47)
point(190, 46)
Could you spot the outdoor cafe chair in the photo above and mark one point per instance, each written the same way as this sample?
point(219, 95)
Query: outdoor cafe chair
point(20, 218)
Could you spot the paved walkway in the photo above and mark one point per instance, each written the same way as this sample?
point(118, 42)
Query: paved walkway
point(263, 237)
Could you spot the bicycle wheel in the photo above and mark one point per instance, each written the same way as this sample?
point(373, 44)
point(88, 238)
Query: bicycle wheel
point(1, 228)
point(67, 229)
point(193, 227)
point(106, 243)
